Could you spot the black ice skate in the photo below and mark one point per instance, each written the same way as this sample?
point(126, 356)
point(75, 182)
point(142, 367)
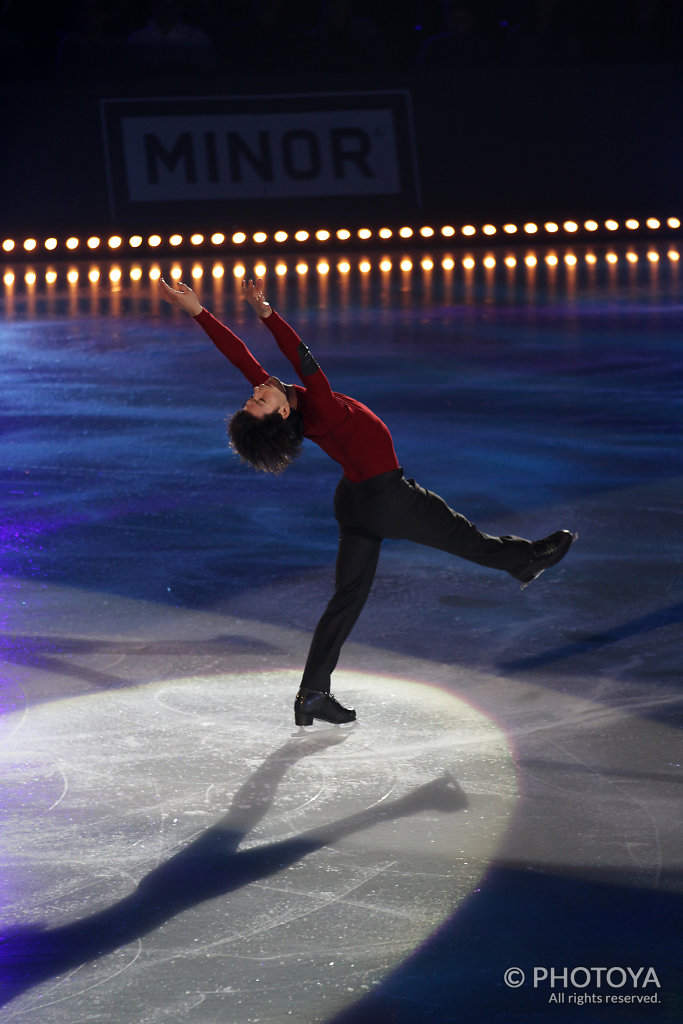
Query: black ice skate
point(310, 704)
point(545, 553)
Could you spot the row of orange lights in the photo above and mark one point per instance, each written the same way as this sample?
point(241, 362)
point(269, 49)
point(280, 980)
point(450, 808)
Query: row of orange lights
point(343, 266)
point(153, 241)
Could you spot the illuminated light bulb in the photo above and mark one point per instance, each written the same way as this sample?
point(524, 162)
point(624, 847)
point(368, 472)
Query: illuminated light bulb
point(674, 255)
point(115, 275)
point(301, 235)
point(176, 240)
point(218, 271)
point(385, 265)
point(8, 278)
point(154, 241)
point(260, 237)
point(94, 275)
point(93, 242)
point(176, 272)
point(50, 243)
point(239, 270)
point(570, 259)
point(30, 244)
point(510, 229)
point(154, 274)
point(426, 232)
point(469, 229)
point(72, 276)
point(612, 225)
point(489, 229)
point(197, 272)
point(72, 243)
point(260, 270)
point(385, 232)
point(406, 264)
point(196, 239)
point(302, 268)
point(30, 277)
point(448, 263)
point(406, 232)
point(238, 238)
point(343, 234)
point(365, 266)
point(281, 269)
point(8, 244)
point(51, 276)
point(591, 225)
point(427, 264)
point(653, 223)
point(217, 238)
point(135, 273)
point(530, 260)
point(531, 228)
point(468, 263)
point(551, 227)
point(448, 230)
point(489, 262)
point(323, 267)
point(344, 267)
point(571, 226)
point(551, 259)
point(653, 256)
point(115, 242)
point(280, 236)
point(632, 257)
point(673, 222)
point(510, 261)
point(632, 224)
point(135, 241)
point(591, 257)
point(322, 234)
point(611, 257)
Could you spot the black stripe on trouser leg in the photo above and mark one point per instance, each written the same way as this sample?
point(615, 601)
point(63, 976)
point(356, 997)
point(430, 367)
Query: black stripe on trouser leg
point(406, 511)
point(357, 558)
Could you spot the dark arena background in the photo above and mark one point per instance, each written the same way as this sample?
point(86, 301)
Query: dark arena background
point(471, 215)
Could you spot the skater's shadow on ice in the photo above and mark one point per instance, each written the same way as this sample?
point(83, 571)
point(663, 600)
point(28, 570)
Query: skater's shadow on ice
point(211, 866)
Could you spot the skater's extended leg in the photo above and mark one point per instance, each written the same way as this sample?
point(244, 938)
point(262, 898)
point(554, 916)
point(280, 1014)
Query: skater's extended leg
point(406, 510)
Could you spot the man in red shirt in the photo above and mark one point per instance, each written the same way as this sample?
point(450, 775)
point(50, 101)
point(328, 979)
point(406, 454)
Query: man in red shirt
point(373, 500)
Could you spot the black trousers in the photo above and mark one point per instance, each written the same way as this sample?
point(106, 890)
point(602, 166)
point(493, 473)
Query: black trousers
point(391, 506)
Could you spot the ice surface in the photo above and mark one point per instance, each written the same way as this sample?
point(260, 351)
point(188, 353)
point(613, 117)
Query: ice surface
point(171, 849)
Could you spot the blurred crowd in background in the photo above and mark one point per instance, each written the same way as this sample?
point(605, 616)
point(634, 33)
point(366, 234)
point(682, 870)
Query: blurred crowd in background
point(119, 40)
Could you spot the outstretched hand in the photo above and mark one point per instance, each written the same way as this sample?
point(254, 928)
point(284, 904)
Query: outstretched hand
point(182, 297)
point(253, 293)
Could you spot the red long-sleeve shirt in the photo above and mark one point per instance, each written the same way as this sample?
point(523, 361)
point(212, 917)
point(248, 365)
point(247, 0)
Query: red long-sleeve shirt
point(344, 428)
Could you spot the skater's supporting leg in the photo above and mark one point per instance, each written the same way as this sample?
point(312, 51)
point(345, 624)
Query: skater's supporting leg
point(357, 558)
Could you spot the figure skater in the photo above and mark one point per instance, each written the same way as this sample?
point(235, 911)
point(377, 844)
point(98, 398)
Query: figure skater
point(373, 500)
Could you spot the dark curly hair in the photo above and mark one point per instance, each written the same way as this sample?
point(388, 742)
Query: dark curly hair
point(269, 444)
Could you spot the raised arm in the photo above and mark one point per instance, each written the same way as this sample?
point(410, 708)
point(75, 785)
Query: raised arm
point(288, 341)
point(225, 340)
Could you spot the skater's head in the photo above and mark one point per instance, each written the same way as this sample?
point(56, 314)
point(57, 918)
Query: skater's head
point(268, 398)
point(266, 440)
